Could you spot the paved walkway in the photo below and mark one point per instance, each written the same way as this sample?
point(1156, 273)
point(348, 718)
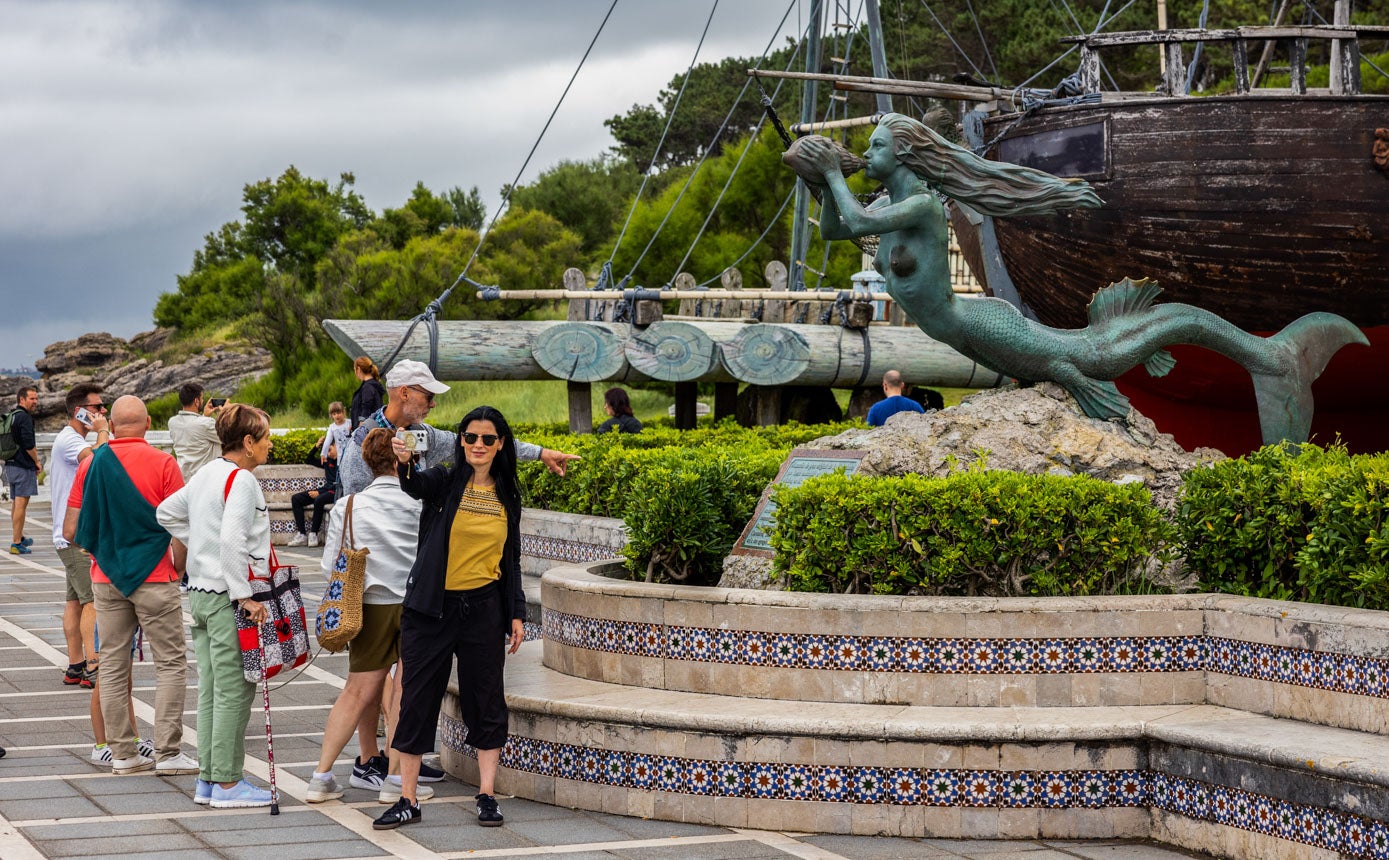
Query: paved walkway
point(54, 802)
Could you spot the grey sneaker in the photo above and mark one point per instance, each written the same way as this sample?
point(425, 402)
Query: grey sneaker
point(390, 792)
point(321, 789)
point(299, 539)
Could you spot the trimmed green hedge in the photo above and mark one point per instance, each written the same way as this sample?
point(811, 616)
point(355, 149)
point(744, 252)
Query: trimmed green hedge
point(1308, 526)
point(972, 533)
point(291, 448)
point(685, 495)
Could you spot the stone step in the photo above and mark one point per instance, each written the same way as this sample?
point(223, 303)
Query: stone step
point(1241, 784)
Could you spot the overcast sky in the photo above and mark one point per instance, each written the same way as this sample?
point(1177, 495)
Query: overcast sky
point(128, 127)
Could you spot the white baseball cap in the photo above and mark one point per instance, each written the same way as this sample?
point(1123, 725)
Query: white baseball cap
point(409, 372)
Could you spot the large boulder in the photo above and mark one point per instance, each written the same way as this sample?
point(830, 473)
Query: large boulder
point(1035, 430)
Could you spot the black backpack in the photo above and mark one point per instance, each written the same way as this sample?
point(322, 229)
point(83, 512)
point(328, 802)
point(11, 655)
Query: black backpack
point(9, 445)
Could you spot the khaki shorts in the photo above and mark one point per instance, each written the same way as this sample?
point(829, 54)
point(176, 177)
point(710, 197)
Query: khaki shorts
point(378, 645)
point(79, 568)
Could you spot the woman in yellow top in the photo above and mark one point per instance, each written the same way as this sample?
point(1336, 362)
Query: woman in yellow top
point(463, 598)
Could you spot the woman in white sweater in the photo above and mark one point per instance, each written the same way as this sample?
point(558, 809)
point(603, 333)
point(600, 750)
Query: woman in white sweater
point(222, 517)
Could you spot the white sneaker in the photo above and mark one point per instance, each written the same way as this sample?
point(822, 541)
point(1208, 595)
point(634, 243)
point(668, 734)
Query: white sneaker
point(145, 748)
point(313, 538)
point(300, 539)
point(177, 765)
point(136, 764)
point(390, 792)
point(101, 754)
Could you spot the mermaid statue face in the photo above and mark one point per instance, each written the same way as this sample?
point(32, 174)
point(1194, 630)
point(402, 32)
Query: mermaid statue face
point(880, 158)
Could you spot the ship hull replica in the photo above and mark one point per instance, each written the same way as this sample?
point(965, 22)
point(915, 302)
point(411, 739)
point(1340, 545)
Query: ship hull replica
point(1259, 208)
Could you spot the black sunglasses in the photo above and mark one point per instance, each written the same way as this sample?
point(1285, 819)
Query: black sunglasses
point(487, 439)
point(101, 406)
point(428, 395)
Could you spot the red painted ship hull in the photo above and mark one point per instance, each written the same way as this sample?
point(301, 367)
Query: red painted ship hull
point(1258, 208)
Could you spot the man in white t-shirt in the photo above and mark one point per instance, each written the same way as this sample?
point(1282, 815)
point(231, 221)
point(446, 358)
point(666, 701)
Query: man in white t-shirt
point(85, 413)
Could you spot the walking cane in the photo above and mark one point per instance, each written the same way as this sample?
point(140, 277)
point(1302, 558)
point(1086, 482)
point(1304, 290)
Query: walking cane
point(269, 738)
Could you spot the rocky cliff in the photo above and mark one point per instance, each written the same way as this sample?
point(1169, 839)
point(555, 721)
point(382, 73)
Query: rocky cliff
point(128, 367)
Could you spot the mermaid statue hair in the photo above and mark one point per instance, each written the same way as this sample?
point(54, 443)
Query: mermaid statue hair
point(990, 187)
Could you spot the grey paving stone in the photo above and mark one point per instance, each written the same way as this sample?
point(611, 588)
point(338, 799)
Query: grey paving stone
point(206, 820)
point(129, 845)
point(750, 850)
point(255, 832)
point(196, 854)
point(1123, 851)
point(983, 847)
point(142, 802)
point(103, 829)
point(38, 788)
point(877, 847)
point(638, 828)
point(560, 831)
point(453, 833)
point(318, 851)
point(48, 807)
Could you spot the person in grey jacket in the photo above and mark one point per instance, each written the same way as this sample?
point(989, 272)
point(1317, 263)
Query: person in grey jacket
point(410, 391)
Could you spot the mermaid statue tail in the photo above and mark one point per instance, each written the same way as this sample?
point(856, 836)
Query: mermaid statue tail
point(1126, 329)
point(1285, 399)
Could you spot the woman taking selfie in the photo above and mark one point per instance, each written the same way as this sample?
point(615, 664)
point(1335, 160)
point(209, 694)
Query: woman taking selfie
point(463, 599)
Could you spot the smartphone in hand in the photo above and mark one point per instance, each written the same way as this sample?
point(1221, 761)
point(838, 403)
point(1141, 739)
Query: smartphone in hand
point(219, 401)
point(83, 416)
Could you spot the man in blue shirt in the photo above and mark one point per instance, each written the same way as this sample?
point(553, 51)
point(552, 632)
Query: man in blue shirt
point(895, 402)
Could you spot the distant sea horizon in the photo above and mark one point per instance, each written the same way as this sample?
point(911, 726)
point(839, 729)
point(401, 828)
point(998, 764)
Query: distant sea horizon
point(20, 371)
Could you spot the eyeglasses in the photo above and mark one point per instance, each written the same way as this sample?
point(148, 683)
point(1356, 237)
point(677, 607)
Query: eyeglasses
point(487, 439)
point(100, 406)
point(428, 395)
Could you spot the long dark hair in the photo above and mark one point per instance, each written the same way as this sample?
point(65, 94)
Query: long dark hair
point(503, 465)
point(617, 399)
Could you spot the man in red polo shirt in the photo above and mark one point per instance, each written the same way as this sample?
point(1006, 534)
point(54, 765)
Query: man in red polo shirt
point(135, 580)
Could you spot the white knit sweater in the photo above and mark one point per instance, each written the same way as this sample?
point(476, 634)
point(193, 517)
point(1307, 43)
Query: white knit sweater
point(226, 540)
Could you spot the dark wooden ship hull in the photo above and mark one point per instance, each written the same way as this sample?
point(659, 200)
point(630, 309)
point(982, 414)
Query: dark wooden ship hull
point(1259, 208)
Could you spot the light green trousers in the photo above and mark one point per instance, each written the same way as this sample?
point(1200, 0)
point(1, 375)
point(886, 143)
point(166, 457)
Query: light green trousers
point(224, 694)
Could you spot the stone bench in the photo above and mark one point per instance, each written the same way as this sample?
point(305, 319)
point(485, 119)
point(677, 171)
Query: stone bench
point(1244, 728)
point(279, 484)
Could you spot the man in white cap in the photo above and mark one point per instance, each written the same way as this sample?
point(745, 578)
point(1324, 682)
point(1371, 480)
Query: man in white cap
point(410, 390)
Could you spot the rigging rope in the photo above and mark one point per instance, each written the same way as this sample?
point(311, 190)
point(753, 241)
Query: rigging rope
point(982, 41)
point(670, 120)
point(977, 70)
point(431, 311)
point(1364, 59)
point(699, 164)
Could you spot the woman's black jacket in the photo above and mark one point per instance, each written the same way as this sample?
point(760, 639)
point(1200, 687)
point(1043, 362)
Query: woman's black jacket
point(440, 494)
point(368, 398)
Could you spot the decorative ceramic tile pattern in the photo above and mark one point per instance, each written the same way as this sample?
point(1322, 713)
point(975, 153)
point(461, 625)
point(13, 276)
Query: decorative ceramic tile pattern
point(1353, 835)
point(560, 549)
point(1323, 670)
point(287, 487)
point(880, 653)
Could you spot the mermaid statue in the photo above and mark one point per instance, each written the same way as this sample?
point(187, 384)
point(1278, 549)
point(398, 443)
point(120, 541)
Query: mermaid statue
point(1126, 328)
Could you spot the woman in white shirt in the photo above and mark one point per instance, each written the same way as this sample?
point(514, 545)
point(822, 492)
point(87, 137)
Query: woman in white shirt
point(386, 522)
point(222, 517)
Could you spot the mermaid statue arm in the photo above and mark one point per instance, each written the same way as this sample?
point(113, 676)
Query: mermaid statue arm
point(843, 217)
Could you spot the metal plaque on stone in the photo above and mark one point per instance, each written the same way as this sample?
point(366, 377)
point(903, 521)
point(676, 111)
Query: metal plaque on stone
point(800, 465)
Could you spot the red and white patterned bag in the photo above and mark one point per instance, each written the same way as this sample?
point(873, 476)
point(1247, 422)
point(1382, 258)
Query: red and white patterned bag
point(285, 633)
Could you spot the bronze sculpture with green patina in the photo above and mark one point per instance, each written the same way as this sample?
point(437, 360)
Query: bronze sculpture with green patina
point(1126, 328)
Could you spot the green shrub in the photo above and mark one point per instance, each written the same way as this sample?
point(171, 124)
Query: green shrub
point(291, 449)
point(1308, 526)
point(972, 533)
point(685, 495)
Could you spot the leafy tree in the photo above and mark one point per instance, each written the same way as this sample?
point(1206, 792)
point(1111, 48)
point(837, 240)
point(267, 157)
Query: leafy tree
point(292, 221)
point(468, 208)
point(589, 197)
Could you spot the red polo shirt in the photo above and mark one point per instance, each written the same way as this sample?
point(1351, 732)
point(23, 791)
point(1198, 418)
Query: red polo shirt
point(155, 474)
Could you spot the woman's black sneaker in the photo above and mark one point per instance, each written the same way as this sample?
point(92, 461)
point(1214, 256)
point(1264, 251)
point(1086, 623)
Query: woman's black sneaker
point(404, 812)
point(488, 813)
point(431, 774)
